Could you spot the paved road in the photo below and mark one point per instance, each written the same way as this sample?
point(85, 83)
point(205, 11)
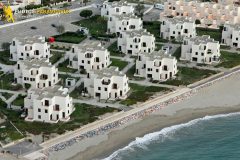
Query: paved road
point(153, 15)
point(43, 26)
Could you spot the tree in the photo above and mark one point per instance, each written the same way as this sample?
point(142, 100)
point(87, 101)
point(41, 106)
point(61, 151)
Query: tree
point(197, 21)
point(60, 29)
point(5, 46)
point(85, 2)
point(86, 13)
point(140, 9)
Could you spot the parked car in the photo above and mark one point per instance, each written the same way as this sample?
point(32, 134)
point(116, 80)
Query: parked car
point(159, 6)
point(33, 27)
point(53, 25)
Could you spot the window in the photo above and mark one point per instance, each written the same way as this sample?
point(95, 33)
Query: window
point(39, 116)
point(196, 53)
point(37, 52)
point(144, 44)
point(46, 102)
point(13, 43)
point(105, 89)
point(57, 107)
point(82, 61)
point(97, 59)
point(156, 70)
point(99, 88)
point(202, 54)
point(39, 110)
point(46, 111)
point(73, 50)
point(165, 68)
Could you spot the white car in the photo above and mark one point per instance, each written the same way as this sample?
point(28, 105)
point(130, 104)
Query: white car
point(159, 6)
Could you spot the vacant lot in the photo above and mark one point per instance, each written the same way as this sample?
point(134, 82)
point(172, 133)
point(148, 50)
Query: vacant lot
point(229, 60)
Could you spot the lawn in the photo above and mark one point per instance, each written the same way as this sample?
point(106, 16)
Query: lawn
point(63, 67)
point(6, 81)
point(70, 37)
point(118, 63)
point(229, 60)
point(177, 53)
point(186, 76)
point(56, 56)
point(6, 95)
point(77, 92)
point(159, 47)
point(113, 49)
point(4, 58)
point(8, 133)
point(216, 34)
point(141, 93)
point(130, 74)
point(153, 28)
point(82, 115)
point(19, 101)
point(97, 26)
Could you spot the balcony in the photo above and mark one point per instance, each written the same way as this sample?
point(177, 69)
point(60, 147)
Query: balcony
point(106, 82)
point(44, 77)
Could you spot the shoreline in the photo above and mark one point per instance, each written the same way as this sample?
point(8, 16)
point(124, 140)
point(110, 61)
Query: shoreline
point(120, 138)
point(212, 94)
point(220, 98)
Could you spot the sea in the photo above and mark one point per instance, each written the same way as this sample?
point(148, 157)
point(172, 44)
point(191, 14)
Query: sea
point(209, 138)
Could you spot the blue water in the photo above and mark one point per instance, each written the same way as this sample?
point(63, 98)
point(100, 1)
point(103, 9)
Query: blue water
point(209, 138)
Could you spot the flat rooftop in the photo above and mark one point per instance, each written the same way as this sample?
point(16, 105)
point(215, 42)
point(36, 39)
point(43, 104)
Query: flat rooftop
point(108, 72)
point(50, 92)
point(31, 40)
point(36, 63)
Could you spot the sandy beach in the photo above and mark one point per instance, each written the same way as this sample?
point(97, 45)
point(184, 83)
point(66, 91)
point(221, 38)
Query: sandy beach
point(222, 97)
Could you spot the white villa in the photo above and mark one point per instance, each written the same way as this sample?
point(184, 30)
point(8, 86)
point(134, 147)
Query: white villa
point(89, 56)
point(202, 49)
point(177, 28)
point(37, 73)
point(29, 48)
point(134, 42)
point(156, 66)
point(231, 35)
point(209, 13)
point(108, 83)
point(124, 22)
point(116, 8)
point(50, 105)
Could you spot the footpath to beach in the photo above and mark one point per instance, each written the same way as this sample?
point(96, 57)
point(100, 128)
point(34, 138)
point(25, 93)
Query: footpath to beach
point(121, 118)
